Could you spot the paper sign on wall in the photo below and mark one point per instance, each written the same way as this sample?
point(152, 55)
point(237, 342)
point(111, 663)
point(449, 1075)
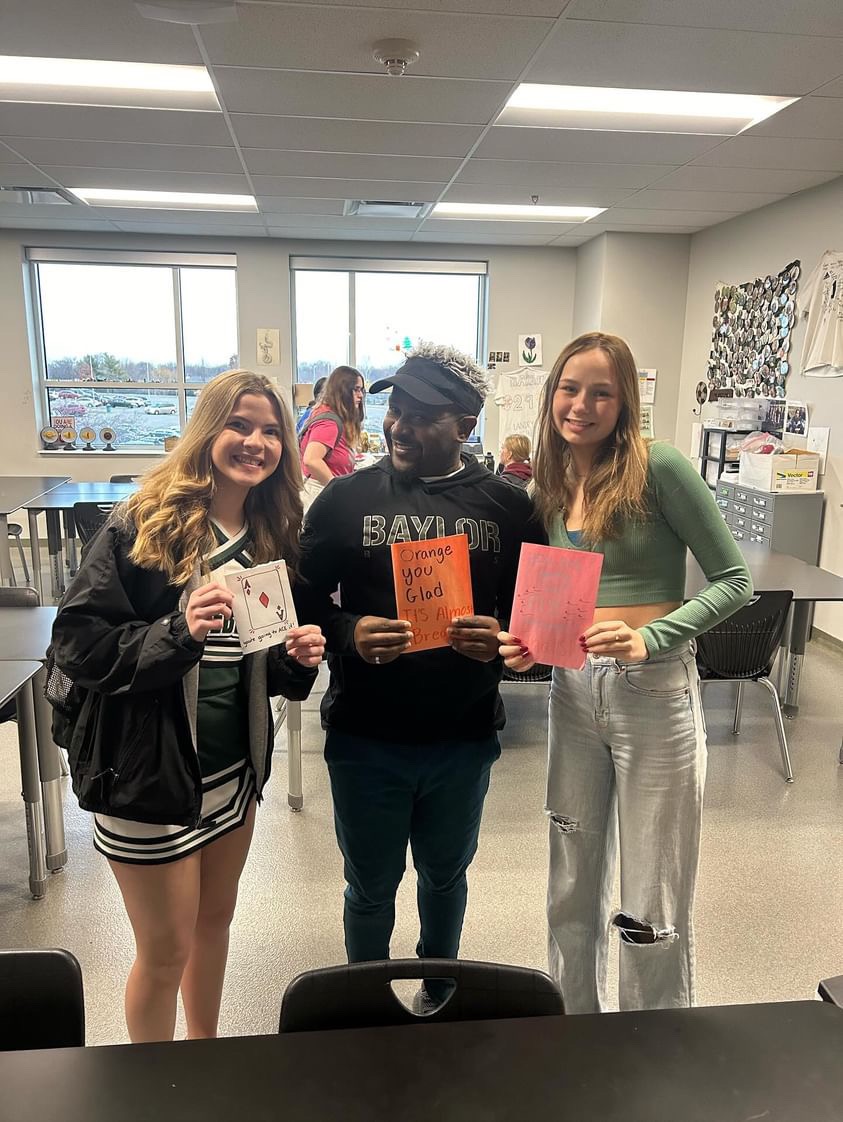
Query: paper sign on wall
point(554, 602)
point(269, 346)
point(647, 385)
point(432, 587)
point(263, 605)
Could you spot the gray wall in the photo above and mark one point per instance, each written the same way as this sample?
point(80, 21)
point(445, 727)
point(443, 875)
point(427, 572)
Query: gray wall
point(802, 226)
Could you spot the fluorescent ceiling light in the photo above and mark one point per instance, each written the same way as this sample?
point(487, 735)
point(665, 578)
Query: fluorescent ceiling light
point(594, 107)
point(516, 212)
point(163, 200)
point(79, 81)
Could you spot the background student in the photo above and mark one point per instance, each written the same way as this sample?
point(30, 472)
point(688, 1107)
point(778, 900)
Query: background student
point(329, 438)
point(627, 745)
point(515, 465)
point(171, 744)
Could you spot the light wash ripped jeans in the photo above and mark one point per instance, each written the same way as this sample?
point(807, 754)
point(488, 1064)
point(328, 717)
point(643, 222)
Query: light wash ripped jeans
point(631, 737)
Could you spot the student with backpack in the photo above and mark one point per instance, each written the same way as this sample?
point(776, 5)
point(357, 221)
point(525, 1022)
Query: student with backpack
point(329, 438)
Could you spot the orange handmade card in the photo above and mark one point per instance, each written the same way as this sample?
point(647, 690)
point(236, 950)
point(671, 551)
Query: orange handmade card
point(432, 587)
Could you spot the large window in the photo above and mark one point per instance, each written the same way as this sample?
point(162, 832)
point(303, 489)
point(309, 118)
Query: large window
point(369, 313)
point(125, 341)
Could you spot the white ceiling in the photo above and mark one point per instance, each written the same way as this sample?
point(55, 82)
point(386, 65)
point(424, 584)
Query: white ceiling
point(309, 120)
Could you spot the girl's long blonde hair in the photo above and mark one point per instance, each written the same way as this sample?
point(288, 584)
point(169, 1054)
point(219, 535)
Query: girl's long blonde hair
point(169, 515)
point(615, 489)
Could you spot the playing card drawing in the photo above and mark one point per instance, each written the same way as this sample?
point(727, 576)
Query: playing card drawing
point(263, 605)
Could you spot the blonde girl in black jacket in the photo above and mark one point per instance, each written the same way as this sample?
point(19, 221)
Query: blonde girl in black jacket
point(167, 723)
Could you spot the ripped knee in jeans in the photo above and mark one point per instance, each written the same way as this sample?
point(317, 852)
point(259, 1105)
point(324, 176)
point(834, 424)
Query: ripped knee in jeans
point(562, 823)
point(640, 932)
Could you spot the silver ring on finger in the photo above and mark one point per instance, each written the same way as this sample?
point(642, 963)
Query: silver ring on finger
point(617, 636)
point(377, 660)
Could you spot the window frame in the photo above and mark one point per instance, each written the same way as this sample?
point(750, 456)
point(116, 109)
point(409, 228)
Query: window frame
point(180, 386)
point(354, 265)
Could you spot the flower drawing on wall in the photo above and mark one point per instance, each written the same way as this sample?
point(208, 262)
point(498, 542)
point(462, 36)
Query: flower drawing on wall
point(530, 349)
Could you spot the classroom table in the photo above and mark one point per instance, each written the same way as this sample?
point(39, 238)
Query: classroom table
point(778, 1062)
point(16, 681)
point(56, 504)
point(25, 634)
point(15, 492)
point(809, 584)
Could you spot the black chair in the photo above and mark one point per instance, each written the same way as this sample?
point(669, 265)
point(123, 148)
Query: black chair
point(361, 995)
point(743, 649)
point(41, 1000)
point(831, 990)
point(15, 598)
point(538, 672)
point(90, 517)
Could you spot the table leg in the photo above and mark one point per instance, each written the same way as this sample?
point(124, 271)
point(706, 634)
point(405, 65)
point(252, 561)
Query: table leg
point(49, 767)
point(70, 537)
point(55, 552)
point(35, 551)
point(31, 791)
point(294, 787)
point(798, 639)
point(7, 573)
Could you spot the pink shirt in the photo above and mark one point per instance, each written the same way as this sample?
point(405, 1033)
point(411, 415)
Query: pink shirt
point(340, 458)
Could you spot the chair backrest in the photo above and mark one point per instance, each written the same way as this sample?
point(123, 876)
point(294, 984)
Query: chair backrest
point(90, 517)
point(41, 1000)
point(19, 598)
point(124, 479)
point(745, 644)
point(361, 996)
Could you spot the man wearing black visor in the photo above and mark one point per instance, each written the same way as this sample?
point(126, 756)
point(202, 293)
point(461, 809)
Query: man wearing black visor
point(412, 736)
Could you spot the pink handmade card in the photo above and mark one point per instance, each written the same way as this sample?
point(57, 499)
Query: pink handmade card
point(555, 597)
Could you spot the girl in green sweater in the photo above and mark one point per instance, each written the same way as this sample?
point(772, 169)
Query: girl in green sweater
point(627, 749)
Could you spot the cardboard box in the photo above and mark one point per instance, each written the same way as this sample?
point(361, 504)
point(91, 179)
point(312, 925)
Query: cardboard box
point(791, 472)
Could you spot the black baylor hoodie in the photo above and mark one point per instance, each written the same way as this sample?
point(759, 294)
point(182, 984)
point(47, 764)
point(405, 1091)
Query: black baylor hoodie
point(427, 695)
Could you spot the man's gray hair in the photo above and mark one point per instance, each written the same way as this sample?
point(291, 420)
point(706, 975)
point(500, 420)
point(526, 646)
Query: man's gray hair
point(456, 361)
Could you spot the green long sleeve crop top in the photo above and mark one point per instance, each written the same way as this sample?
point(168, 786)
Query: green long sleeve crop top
point(645, 564)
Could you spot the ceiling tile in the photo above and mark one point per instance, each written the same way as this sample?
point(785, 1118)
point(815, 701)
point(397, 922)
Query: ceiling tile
point(332, 165)
point(533, 174)
point(106, 29)
point(730, 202)
point(673, 218)
point(37, 223)
point(479, 228)
point(160, 157)
point(549, 196)
point(504, 7)
point(310, 134)
point(348, 189)
point(149, 180)
point(362, 97)
point(192, 229)
point(771, 152)
point(339, 40)
point(469, 240)
point(341, 224)
point(820, 118)
point(217, 218)
point(813, 17)
point(832, 89)
point(695, 177)
point(681, 58)
point(274, 206)
point(318, 233)
point(74, 122)
point(632, 228)
point(18, 174)
point(507, 142)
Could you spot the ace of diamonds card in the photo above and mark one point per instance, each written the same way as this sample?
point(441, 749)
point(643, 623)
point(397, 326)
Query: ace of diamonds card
point(263, 605)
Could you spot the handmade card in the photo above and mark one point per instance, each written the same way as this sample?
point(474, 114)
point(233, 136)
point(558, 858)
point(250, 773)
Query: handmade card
point(432, 587)
point(263, 605)
point(555, 597)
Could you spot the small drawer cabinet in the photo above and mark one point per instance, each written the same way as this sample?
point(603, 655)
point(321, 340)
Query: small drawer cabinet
point(784, 523)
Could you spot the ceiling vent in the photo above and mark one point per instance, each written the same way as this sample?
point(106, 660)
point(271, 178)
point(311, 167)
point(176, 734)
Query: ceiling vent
point(374, 208)
point(37, 196)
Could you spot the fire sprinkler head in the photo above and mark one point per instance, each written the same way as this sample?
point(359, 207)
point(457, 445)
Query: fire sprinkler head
point(395, 55)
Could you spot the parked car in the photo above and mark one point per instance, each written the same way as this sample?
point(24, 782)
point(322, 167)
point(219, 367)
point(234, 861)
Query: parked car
point(122, 402)
point(155, 409)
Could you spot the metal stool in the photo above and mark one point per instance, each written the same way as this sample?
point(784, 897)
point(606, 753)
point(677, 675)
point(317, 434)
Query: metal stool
point(15, 531)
